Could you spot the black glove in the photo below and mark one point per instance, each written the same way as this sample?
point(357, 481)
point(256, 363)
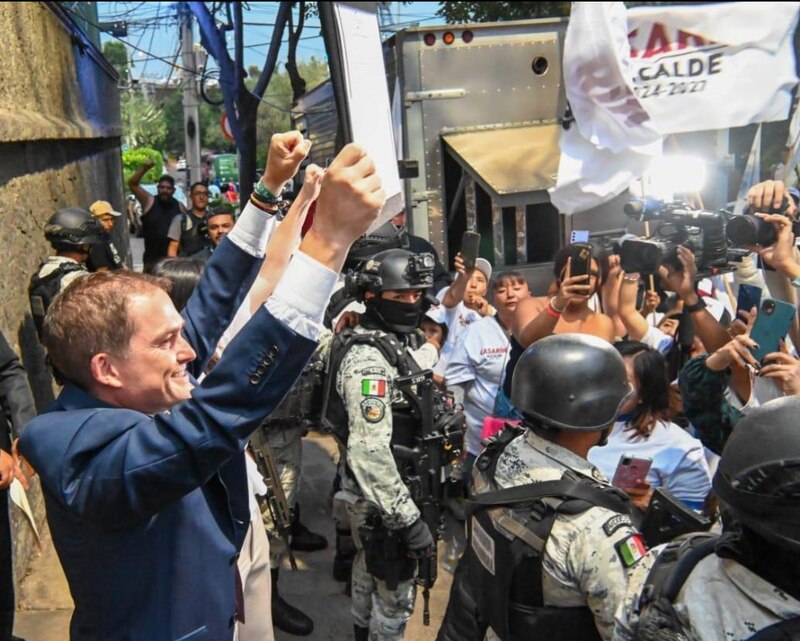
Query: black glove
point(417, 536)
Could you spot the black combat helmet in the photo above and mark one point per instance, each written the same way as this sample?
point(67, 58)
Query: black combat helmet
point(72, 228)
point(758, 478)
point(398, 269)
point(570, 381)
point(395, 270)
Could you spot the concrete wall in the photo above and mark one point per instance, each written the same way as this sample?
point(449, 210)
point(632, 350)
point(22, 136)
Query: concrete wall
point(59, 146)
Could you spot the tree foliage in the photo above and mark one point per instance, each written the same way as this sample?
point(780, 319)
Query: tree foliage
point(143, 123)
point(132, 159)
point(460, 12)
point(116, 54)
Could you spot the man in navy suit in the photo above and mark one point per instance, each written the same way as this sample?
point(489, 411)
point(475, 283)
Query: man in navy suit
point(142, 468)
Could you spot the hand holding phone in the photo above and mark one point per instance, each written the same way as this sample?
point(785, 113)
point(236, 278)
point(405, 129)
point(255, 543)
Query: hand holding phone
point(772, 324)
point(581, 260)
point(631, 471)
point(470, 245)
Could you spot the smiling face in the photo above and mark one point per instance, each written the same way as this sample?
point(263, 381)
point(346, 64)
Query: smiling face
point(152, 376)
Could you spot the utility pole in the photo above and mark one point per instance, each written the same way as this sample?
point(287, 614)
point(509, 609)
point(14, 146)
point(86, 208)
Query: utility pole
point(191, 100)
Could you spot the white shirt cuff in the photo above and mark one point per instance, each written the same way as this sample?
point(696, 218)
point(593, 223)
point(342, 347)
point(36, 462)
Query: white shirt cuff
point(252, 230)
point(302, 295)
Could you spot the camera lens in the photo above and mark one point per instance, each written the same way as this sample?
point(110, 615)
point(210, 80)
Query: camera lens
point(768, 308)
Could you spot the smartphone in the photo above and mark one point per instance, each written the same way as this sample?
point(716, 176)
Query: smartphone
point(772, 324)
point(581, 260)
point(631, 470)
point(470, 244)
point(578, 236)
point(749, 297)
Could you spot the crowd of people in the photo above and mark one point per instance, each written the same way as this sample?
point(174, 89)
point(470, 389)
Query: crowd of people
point(170, 460)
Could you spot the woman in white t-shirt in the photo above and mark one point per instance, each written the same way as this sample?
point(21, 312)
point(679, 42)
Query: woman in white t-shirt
point(463, 303)
point(644, 430)
point(478, 362)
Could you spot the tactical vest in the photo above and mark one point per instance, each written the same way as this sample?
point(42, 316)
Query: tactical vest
point(194, 234)
point(658, 620)
point(507, 533)
point(43, 289)
point(334, 416)
point(405, 425)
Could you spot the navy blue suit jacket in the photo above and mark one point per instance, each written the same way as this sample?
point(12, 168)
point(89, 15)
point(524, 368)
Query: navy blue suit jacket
point(148, 512)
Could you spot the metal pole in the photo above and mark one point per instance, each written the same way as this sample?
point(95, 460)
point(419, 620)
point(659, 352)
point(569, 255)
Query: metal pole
point(191, 101)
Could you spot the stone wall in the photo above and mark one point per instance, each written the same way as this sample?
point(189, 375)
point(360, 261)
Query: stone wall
point(59, 146)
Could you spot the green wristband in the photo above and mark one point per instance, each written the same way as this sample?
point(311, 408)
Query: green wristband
point(262, 191)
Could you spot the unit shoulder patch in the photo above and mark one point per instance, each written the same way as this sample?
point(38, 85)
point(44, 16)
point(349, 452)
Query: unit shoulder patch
point(615, 523)
point(373, 410)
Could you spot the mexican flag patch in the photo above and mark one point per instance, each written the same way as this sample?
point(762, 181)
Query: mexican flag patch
point(630, 550)
point(373, 387)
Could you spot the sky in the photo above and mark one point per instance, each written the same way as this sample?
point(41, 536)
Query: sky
point(153, 29)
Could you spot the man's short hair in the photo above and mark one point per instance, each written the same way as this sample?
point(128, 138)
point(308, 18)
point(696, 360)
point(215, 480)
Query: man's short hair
point(508, 277)
point(221, 210)
point(195, 184)
point(166, 178)
point(91, 317)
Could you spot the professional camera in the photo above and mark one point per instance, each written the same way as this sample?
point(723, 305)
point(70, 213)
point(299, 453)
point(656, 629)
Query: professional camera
point(702, 232)
point(748, 229)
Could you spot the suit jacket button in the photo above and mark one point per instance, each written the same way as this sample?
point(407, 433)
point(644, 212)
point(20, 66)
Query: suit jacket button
point(267, 361)
point(260, 370)
point(255, 379)
point(274, 350)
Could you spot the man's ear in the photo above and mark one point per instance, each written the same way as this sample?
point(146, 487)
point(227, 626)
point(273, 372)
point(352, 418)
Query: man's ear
point(105, 371)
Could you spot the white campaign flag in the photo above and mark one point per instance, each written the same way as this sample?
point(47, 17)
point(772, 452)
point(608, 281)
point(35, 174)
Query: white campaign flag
point(713, 66)
point(612, 141)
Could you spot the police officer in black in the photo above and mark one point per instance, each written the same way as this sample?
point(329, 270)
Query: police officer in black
point(744, 584)
point(379, 425)
point(72, 232)
point(550, 542)
point(157, 214)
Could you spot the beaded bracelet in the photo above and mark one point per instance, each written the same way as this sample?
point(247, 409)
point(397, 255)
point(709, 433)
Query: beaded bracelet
point(267, 208)
point(552, 313)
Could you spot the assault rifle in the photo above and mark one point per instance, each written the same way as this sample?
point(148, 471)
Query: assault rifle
point(439, 444)
point(276, 498)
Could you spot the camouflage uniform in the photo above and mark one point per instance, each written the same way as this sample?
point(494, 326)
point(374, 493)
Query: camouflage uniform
point(581, 565)
point(286, 444)
point(364, 383)
point(285, 440)
point(739, 604)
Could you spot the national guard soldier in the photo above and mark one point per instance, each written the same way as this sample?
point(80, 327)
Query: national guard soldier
point(550, 543)
point(745, 584)
point(278, 449)
point(375, 414)
point(71, 232)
